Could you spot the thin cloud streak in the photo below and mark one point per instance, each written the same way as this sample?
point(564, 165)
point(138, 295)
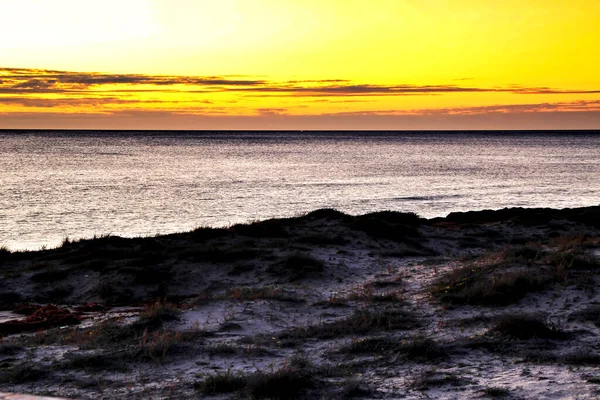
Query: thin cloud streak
point(35, 81)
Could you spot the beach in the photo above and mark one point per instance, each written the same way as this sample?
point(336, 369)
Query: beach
point(480, 304)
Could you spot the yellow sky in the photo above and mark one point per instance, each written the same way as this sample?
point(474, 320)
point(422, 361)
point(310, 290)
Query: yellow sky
point(300, 64)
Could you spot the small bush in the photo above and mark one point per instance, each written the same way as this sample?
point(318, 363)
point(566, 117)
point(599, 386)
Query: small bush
point(395, 226)
point(524, 327)
point(155, 345)
point(326, 213)
point(156, 314)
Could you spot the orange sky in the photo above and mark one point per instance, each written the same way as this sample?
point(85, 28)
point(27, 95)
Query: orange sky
point(306, 64)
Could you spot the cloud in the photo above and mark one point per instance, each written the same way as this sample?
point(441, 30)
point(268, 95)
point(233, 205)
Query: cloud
point(36, 81)
point(62, 102)
point(580, 105)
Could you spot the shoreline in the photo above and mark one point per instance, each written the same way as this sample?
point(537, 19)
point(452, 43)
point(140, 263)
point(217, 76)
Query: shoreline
point(476, 304)
point(506, 212)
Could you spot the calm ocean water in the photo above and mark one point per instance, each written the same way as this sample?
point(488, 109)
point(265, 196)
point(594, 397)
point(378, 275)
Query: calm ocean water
point(77, 184)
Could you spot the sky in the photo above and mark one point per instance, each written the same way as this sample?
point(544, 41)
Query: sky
point(300, 64)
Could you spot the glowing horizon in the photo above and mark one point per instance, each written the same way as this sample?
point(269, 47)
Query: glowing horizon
point(233, 64)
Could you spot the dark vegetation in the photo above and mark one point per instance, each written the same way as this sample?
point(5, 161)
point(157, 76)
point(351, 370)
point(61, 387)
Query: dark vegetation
point(506, 276)
point(390, 225)
point(297, 266)
point(524, 327)
point(359, 323)
point(415, 349)
point(289, 382)
point(526, 216)
point(496, 391)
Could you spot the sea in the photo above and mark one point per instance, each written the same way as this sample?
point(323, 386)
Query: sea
point(77, 184)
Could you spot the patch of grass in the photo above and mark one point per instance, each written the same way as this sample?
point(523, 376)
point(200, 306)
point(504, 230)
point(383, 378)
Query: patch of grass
point(272, 228)
point(477, 286)
point(417, 349)
point(497, 279)
point(525, 327)
point(575, 242)
point(289, 382)
point(297, 266)
point(222, 349)
point(155, 345)
point(203, 234)
point(359, 323)
point(22, 373)
point(581, 357)
point(156, 314)
point(7, 255)
point(10, 349)
point(96, 361)
point(371, 346)
point(222, 382)
point(496, 391)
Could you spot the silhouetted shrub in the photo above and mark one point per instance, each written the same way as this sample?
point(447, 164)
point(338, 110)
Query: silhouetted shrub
point(326, 213)
point(389, 225)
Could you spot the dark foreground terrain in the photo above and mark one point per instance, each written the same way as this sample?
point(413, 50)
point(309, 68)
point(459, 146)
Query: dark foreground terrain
point(489, 304)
